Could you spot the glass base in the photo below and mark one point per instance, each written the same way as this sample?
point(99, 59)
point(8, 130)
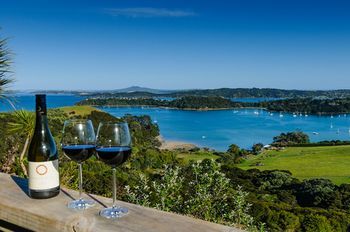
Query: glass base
point(114, 212)
point(81, 204)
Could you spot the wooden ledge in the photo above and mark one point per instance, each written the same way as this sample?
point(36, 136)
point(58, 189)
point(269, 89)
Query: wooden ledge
point(53, 215)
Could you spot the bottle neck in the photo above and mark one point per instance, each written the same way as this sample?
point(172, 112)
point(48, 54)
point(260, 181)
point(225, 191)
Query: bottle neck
point(41, 120)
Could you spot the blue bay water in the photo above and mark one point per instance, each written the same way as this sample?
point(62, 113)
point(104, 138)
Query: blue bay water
point(27, 101)
point(217, 129)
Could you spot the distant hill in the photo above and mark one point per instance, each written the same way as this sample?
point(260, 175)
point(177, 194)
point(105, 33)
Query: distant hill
point(142, 90)
point(264, 93)
point(226, 92)
point(133, 89)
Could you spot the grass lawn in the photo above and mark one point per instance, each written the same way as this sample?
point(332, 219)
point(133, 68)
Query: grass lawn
point(196, 156)
point(307, 162)
point(79, 110)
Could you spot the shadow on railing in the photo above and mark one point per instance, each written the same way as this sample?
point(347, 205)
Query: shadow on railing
point(21, 183)
point(6, 226)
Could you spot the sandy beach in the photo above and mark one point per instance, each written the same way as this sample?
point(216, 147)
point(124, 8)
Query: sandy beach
point(175, 145)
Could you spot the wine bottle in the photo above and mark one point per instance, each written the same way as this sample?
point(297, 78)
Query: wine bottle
point(42, 156)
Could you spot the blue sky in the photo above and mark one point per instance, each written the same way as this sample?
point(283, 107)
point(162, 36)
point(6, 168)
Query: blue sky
point(293, 44)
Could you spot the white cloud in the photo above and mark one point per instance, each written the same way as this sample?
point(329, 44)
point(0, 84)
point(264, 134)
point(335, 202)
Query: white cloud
point(149, 12)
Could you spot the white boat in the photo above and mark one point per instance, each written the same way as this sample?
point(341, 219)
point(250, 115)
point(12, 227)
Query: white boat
point(315, 133)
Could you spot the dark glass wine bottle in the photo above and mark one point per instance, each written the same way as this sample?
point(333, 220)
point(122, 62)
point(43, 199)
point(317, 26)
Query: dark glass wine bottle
point(42, 157)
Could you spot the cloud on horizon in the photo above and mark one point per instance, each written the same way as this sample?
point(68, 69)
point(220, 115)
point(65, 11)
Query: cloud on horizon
point(149, 12)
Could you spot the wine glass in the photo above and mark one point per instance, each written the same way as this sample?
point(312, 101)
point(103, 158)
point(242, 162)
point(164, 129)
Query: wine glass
point(78, 143)
point(113, 147)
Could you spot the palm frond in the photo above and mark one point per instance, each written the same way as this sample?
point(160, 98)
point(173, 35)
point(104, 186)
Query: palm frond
point(23, 123)
point(5, 57)
point(5, 64)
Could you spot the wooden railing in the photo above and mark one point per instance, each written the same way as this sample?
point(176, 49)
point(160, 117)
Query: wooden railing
point(17, 210)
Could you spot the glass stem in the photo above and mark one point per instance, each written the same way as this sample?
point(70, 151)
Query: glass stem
point(80, 179)
point(114, 187)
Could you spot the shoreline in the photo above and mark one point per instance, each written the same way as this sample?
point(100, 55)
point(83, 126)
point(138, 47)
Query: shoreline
point(217, 109)
point(174, 108)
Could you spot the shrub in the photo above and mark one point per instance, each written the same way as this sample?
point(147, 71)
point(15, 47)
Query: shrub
point(291, 138)
point(312, 223)
point(199, 189)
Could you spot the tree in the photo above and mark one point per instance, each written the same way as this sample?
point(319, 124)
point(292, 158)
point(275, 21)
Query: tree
point(290, 138)
point(233, 149)
point(5, 62)
point(257, 148)
point(23, 124)
point(318, 193)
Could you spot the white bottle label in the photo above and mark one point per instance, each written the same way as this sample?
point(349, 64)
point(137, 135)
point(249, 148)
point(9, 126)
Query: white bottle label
point(43, 175)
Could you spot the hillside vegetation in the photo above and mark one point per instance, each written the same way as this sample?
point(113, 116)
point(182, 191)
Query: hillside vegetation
point(231, 93)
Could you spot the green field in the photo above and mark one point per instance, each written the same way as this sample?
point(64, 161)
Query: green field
point(78, 110)
point(331, 162)
point(200, 155)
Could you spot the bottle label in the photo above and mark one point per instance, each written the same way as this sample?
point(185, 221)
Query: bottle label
point(43, 175)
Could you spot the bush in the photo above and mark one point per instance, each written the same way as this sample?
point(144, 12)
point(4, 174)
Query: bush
point(291, 138)
point(199, 189)
point(257, 148)
point(318, 193)
point(313, 223)
point(274, 179)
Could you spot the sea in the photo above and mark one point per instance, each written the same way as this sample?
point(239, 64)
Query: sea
point(216, 129)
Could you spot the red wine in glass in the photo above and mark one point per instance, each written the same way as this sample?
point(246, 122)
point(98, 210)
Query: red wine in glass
point(113, 156)
point(78, 144)
point(79, 153)
point(113, 147)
